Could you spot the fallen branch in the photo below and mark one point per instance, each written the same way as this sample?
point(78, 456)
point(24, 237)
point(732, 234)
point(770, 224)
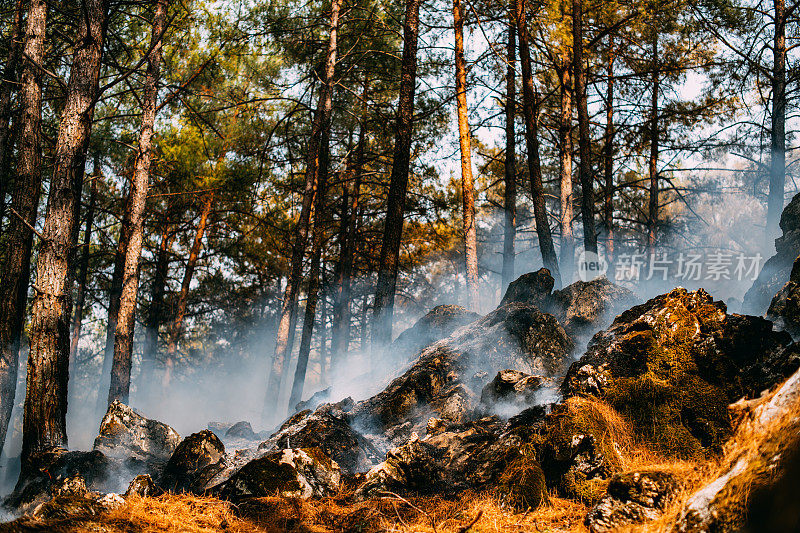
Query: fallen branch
point(475, 521)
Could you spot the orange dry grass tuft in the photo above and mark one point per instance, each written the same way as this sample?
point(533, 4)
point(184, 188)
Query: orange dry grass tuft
point(169, 513)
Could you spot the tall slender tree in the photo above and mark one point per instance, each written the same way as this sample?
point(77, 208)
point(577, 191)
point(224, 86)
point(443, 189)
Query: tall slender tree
point(465, 143)
point(289, 305)
point(44, 419)
point(608, 153)
point(25, 202)
point(655, 79)
point(123, 343)
point(83, 264)
point(182, 299)
point(531, 111)
point(510, 161)
point(383, 306)
point(566, 192)
point(777, 171)
point(584, 140)
point(6, 89)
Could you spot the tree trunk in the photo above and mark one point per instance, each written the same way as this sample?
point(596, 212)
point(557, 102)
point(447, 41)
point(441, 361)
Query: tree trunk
point(83, 267)
point(123, 341)
point(777, 173)
point(176, 330)
point(587, 180)
point(155, 314)
point(44, 423)
point(531, 112)
point(25, 202)
point(289, 305)
point(652, 224)
point(608, 155)
point(6, 88)
point(340, 334)
point(383, 307)
point(313, 291)
point(114, 293)
point(324, 353)
point(465, 142)
point(566, 193)
point(510, 175)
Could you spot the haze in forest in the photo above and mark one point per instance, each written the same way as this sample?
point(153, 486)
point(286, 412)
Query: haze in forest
point(211, 211)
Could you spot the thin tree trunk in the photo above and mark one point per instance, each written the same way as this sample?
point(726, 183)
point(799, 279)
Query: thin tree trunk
point(312, 299)
point(324, 353)
point(587, 180)
point(777, 173)
point(566, 193)
point(114, 293)
point(289, 305)
point(155, 314)
point(83, 267)
point(44, 423)
point(652, 225)
point(123, 338)
point(383, 307)
point(340, 333)
point(608, 155)
point(176, 330)
point(6, 89)
point(531, 112)
point(510, 175)
point(25, 202)
point(465, 142)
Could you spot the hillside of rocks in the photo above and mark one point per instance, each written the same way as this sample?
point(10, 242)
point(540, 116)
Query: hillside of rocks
point(660, 417)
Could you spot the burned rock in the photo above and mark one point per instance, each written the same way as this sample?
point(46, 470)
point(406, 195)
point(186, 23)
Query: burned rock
point(514, 388)
point(777, 269)
point(632, 498)
point(464, 456)
point(326, 429)
point(144, 487)
point(241, 430)
point(57, 469)
point(127, 435)
point(296, 473)
point(673, 364)
point(440, 383)
point(66, 506)
point(184, 470)
point(317, 399)
point(532, 288)
point(439, 323)
point(785, 307)
point(584, 307)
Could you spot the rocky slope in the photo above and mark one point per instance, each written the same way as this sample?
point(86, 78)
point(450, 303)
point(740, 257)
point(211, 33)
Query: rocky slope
point(503, 404)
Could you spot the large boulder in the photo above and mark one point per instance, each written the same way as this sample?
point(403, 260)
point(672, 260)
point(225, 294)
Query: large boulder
point(455, 457)
point(532, 288)
point(512, 390)
point(673, 364)
point(584, 307)
point(53, 468)
point(293, 473)
point(439, 323)
point(784, 309)
point(328, 429)
point(632, 498)
point(447, 378)
point(187, 470)
point(127, 435)
point(777, 269)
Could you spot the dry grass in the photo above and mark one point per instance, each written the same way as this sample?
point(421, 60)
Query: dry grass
point(468, 512)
